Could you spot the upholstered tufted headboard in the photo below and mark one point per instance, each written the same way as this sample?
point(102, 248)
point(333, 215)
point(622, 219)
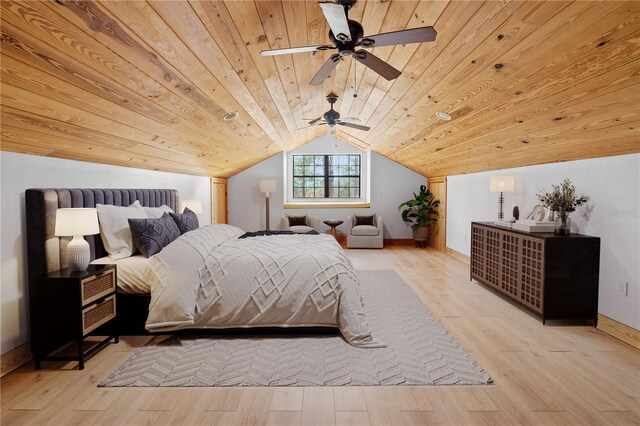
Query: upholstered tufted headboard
point(45, 251)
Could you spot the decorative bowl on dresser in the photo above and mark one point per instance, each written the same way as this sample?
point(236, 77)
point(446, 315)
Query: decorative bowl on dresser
point(556, 277)
point(68, 306)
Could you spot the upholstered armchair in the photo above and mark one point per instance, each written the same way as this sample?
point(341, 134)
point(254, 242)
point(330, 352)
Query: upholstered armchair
point(365, 235)
point(311, 224)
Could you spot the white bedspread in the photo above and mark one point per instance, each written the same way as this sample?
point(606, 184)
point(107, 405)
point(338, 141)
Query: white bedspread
point(208, 278)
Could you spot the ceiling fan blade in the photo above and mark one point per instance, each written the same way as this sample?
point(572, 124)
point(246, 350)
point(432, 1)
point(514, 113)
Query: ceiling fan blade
point(377, 64)
point(289, 50)
point(415, 35)
point(325, 70)
point(337, 19)
point(314, 121)
point(346, 119)
point(354, 126)
point(311, 125)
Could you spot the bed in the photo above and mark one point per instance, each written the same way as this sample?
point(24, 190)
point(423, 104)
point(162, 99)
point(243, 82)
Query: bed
point(209, 278)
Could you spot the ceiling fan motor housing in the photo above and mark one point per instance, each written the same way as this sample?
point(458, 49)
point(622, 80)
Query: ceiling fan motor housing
point(331, 116)
point(347, 47)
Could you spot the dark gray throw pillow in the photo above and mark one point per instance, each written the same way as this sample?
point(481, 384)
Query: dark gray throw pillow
point(297, 220)
point(365, 220)
point(187, 221)
point(150, 236)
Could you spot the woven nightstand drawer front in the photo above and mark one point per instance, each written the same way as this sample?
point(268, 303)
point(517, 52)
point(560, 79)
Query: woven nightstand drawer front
point(96, 315)
point(95, 287)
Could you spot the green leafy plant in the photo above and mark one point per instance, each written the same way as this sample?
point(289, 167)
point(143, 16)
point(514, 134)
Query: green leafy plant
point(421, 210)
point(562, 198)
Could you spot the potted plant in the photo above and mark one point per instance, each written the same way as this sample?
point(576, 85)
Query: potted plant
point(420, 212)
point(562, 200)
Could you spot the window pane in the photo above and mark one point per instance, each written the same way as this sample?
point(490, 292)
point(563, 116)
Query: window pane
point(309, 176)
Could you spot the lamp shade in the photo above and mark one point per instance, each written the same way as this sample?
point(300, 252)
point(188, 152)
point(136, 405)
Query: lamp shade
point(502, 183)
point(267, 185)
point(192, 204)
point(72, 222)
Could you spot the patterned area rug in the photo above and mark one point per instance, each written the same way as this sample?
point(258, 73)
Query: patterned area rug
point(419, 352)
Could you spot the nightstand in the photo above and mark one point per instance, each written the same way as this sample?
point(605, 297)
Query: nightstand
point(68, 306)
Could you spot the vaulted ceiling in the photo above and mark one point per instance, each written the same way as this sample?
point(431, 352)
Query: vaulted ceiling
point(146, 84)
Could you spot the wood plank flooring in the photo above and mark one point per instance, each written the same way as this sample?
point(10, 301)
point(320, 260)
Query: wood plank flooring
point(544, 375)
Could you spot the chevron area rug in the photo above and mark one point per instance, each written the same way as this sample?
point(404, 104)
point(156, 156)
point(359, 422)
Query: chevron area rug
point(419, 352)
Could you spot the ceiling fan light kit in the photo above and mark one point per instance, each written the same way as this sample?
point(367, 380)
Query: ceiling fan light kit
point(347, 36)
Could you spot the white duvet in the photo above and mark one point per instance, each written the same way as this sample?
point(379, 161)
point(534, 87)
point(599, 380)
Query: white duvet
point(208, 278)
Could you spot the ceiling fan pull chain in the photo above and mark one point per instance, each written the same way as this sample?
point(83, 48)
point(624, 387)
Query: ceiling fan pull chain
point(355, 79)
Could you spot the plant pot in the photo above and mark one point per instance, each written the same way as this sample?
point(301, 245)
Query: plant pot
point(563, 224)
point(421, 234)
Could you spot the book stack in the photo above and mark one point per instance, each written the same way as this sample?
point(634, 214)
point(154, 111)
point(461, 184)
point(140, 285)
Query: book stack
point(533, 226)
point(503, 223)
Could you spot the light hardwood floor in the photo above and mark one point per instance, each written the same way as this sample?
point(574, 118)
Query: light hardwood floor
point(554, 374)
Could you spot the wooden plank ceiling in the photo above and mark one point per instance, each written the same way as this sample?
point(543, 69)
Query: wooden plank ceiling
point(146, 84)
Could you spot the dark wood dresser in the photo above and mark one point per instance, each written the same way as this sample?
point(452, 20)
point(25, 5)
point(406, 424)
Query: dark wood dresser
point(556, 277)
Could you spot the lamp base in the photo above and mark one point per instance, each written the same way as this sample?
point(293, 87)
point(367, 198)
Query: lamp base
point(78, 254)
point(500, 207)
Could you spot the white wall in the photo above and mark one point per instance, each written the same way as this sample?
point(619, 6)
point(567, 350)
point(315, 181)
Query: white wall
point(391, 184)
point(20, 172)
point(612, 183)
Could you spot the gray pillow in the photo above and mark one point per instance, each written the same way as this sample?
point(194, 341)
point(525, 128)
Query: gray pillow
point(187, 221)
point(150, 236)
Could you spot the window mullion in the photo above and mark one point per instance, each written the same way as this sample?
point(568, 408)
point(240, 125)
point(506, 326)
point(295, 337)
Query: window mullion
point(326, 176)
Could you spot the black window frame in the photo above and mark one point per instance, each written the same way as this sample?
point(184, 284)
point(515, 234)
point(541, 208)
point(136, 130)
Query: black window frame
point(326, 176)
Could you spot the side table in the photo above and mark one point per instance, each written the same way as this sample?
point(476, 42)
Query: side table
point(333, 224)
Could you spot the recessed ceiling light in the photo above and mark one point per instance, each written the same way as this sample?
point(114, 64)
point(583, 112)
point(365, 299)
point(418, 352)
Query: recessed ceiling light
point(230, 116)
point(443, 116)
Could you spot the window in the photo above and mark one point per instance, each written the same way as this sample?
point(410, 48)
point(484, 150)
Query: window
point(326, 176)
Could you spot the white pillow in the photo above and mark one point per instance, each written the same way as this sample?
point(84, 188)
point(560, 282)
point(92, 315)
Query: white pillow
point(114, 228)
point(157, 212)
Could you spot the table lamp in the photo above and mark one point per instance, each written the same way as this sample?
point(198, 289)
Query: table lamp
point(267, 186)
point(502, 184)
point(76, 223)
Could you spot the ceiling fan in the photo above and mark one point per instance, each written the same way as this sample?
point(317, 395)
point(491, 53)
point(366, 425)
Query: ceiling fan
point(347, 35)
point(332, 118)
